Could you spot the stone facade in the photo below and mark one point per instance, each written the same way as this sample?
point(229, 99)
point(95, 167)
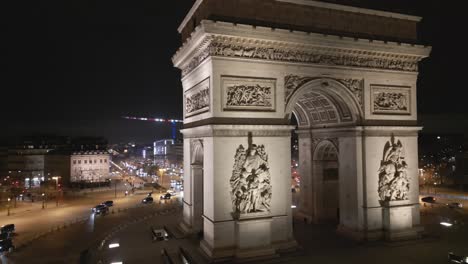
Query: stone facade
point(351, 97)
point(89, 166)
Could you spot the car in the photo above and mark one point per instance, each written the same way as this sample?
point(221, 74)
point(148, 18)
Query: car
point(428, 199)
point(100, 209)
point(457, 258)
point(6, 245)
point(455, 205)
point(148, 199)
point(10, 228)
point(165, 196)
point(108, 203)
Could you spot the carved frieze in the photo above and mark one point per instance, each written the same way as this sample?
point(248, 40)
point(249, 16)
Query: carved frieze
point(197, 98)
point(390, 99)
point(246, 93)
point(279, 51)
point(250, 181)
point(393, 177)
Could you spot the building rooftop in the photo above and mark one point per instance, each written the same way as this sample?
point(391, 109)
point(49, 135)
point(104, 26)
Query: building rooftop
point(325, 17)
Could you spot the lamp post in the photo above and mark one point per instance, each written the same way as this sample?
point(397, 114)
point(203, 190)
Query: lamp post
point(9, 199)
point(115, 187)
point(43, 200)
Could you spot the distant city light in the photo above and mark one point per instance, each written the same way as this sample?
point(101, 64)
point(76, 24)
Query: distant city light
point(114, 245)
point(119, 262)
point(293, 206)
point(445, 224)
point(438, 137)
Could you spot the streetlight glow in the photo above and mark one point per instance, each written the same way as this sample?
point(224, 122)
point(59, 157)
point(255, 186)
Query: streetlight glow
point(114, 245)
point(445, 224)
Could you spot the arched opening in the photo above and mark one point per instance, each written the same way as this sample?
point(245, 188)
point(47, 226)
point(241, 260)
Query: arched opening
point(327, 173)
point(321, 109)
point(196, 166)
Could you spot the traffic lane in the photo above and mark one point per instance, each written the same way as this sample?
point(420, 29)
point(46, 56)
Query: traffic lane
point(30, 225)
point(66, 245)
point(136, 244)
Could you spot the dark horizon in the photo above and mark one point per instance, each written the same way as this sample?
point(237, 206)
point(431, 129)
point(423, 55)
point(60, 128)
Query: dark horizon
point(75, 68)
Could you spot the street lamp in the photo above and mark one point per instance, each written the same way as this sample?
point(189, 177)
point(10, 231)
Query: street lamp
point(43, 200)
point(115, 187)
point(9, 199)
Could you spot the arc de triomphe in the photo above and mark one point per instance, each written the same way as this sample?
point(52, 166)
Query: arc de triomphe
point(347, 74)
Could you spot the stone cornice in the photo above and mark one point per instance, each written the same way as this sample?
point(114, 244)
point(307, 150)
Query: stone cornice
point(210, 39)
point(238, 131)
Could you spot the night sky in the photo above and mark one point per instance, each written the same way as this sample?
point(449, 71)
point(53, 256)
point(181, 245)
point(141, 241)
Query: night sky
point(75, 67)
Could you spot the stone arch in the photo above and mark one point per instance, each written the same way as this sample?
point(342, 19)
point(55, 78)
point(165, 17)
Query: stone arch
point(322, 107)
point(197, 181)
point(326, 170)
point(324, 102)
point(197, 152)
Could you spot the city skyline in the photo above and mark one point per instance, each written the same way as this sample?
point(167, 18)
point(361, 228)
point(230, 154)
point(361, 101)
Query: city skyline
point(75, 68)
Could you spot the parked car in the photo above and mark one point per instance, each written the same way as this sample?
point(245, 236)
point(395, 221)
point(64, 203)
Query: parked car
point(165, 196)
point(100, 209)
point(455, 205)
point(108, 203)
point(10, 228)
point(457, 258)
point(6, 245)
point(428, 199)
point(148, 199)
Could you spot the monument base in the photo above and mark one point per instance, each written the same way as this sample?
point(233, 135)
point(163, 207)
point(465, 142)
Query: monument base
point(360, 235)
point(398, 221)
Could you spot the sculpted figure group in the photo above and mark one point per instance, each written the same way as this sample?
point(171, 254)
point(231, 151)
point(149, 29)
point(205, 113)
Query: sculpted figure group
point(393, 177)
point(250, 181)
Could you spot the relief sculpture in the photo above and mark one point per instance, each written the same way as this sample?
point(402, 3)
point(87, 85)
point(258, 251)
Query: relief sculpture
point(390, 101)
point(197, 98)
point(393, 177)
point(197, 101)
point(248, 95)
point(250, 180)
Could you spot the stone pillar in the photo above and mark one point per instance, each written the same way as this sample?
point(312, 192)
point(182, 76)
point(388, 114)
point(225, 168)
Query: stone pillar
point(392, 199)
point(187, 224)
point(197, 183)
point(229, 232)
point(306, 202)
point(351, 184)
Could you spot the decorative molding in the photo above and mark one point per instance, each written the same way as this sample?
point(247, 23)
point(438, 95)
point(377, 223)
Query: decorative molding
point(250, 181)
point(294, 82)
point(236, 47)
point(391, 99)
point(248, 93)
point(393, 177)
point(197, 98)
point(356, 86)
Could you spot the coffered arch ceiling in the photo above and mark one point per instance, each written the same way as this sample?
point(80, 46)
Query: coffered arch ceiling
point(323, 106)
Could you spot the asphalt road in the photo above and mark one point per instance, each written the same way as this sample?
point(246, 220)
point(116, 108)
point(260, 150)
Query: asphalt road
point(66, 245)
